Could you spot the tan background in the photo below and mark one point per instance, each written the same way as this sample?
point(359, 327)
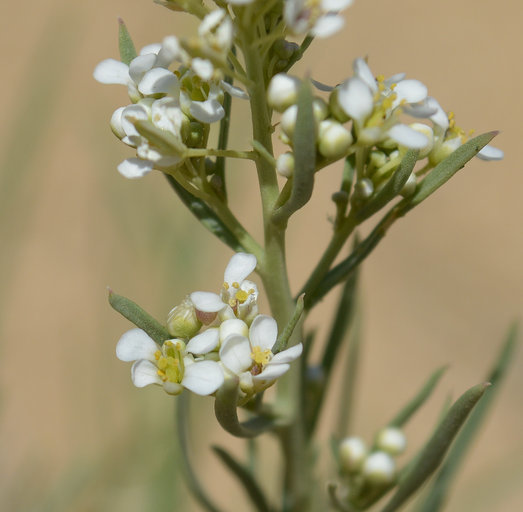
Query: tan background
point(442, 287)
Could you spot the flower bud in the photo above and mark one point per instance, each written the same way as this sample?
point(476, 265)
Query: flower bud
point(410, 186)
point(352, 452)
point(116, 123)
point(439, 154)
point(182, 321)
point(427, 131)
point(379, 468)
point(285, 164)
point(391, 440)
point(282, 91)
point(377, 159)
point(320, 109)
point(334, 140)
point(363, 189)
point(335, 109)
point(288, 120)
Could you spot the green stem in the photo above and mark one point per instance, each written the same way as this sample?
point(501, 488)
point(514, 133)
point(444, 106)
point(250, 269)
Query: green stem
point(225, 153)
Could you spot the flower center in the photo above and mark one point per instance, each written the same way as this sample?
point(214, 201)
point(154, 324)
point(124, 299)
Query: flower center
point(235, 295)
point(169, 361)
point(261, 357)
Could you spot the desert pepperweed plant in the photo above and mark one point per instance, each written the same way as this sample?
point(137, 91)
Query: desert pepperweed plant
point(394, 146)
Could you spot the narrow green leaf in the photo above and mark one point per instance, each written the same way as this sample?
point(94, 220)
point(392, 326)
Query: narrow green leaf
point(304, 145)
point(193, 482)
point(246, 478)
point(167, 142)
point(226, 410)
point(436, 498)
point(139, 317)
point(434, 451)
point(206, 216)
point(392, 188)
point(407, 412)
point(125, 43)
point(283, 338)
point(447, 168)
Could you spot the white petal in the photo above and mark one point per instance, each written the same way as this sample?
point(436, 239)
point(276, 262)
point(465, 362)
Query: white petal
point(406, 136)
point(136, 344)
point(140, 65)
point(204, 342)
point(263, 332)
point(335, 5)
point(356, 99)
point(362, 70)
point(203, 68)
point(158, 80)
point(440, 118)
point(394, 79)
point(239, 267)
point(233, 326)
point(133, 168)
point(207, 302)
point(327, 25)
point(421, 110)
point(490, 153)
point(271, 372)
point(111, 71)
point(412, 91)
point(234, 91)
point(208, 111)
point(211, 21)
point(116, 123)
point(288, 355)
point(151, 48)
point(235, 353)
point(203, 377)
point(144, 373)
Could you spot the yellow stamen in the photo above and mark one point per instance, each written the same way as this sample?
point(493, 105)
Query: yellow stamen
point(242, 296)
point(261, 357)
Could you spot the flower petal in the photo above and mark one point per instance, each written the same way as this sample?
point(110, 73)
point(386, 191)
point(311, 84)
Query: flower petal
point(136, 344)
point(203, 377)
point(327, 25)
point(490, 153)
point(356, 99)
point(111, 71)
point(208, 111)
point(233, 326)
point(235, 353)
point(263, 332)
point(204, 342)
point(151, 48)
point(133, 168)
point(239, 267)
point(140, 65)
point(412, 91)
point(288, 355)
point(234, 91)
point(271, 372)
point(203, 68)
point(362, 70)
point(158, 80)
point(207, 302)
point(143, 373)
point(408, 137)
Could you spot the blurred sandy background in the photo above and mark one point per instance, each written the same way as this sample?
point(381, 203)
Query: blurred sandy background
point(441, 288)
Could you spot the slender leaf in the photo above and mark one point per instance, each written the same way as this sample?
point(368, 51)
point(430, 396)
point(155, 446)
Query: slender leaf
point(434, 451)
point(435, 500)
point(139, 317)
point(304, 145)
point(283, 338)
point(206, 216)
point(407, 412)
point(246, 478)
point(125, 43)
point(226, 410)
point(392, 188)
point(447, 168)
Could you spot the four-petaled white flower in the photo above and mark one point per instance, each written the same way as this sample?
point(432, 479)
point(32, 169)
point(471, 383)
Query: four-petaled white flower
point(170, 366)
point(251, 358)
point(238, 295)
point(319, 17)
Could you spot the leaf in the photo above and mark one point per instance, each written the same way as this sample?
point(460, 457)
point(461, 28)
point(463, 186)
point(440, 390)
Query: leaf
point(392, 188)
point(139, 317)
point(125, 43)
point(435, 499)
point(406, 413)
point(283, 338)
point(206, 216)
point(248, 481)
point(447, 168)
point(226, 410)
point(304, 145)
point(434, 451)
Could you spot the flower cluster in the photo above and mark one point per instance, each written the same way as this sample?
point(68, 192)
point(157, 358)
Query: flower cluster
point(377, 132)
point(171, 110)
point(215, 337)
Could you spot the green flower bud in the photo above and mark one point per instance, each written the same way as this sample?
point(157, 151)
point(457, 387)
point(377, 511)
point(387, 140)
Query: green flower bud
point(334, 140)
point(285, 164)
point(335, 108)
point(379, 469)
point(182, 321)
point(352, 452)
point(391, 440)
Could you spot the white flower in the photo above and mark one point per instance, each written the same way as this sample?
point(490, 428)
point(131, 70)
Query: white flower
point(375, 106)
point(238, 295)
point(251, 358)
point(169, 366)
point(319, 17)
